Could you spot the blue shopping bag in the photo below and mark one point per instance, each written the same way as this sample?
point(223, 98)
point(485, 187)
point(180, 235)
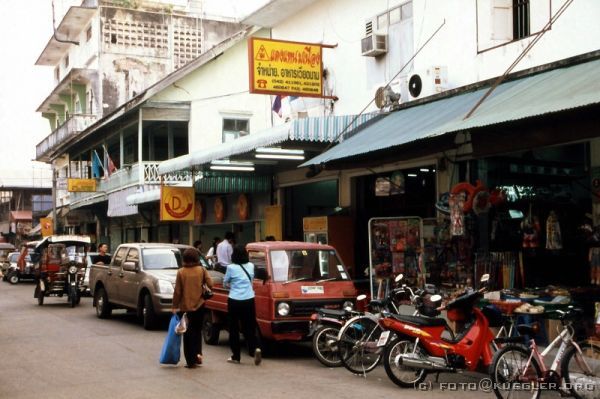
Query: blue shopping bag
point(171, 350)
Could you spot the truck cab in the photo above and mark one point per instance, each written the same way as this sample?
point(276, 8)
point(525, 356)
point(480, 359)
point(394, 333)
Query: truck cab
point(291, 280)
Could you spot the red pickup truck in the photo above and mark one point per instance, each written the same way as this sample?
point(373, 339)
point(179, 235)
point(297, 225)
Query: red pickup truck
point(291, 280)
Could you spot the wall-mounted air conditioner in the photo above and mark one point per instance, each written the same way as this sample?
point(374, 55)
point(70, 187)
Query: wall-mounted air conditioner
point(427, 82)
point(374, 45)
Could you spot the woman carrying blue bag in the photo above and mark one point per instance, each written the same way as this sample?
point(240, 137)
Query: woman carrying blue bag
point(188, 299)
point(171, 350)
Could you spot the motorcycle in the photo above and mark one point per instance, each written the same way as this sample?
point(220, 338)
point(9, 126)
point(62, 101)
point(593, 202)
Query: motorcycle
point(418, 347)
point(324, 328)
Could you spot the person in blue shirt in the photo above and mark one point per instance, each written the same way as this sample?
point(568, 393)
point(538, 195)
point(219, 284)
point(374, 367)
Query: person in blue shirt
point(238, 278)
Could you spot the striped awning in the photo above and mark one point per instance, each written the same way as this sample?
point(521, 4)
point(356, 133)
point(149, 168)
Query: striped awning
point(326, 129)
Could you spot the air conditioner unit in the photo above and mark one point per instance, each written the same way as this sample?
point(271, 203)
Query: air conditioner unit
point(427, 82)
point(374, 45)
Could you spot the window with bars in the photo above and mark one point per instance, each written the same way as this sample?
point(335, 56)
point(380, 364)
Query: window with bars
point(520, 15)
point(234, 128)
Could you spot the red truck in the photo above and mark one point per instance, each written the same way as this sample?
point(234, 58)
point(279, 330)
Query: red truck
point(291, 280)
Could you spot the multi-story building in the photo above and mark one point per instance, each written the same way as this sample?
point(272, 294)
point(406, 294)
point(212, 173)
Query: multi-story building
point(105, 52)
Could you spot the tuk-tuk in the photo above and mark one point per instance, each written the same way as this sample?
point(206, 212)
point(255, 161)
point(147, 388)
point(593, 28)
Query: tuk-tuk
point(61, 267)
point(5, 249)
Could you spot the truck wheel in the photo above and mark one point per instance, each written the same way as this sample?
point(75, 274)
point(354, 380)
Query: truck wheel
point(210, 331)
point(103, 308)
point(149, 317)
point(13, 278)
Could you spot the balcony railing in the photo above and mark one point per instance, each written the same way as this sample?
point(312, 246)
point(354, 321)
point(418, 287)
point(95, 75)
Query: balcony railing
point(129, 176)
point(69, 129)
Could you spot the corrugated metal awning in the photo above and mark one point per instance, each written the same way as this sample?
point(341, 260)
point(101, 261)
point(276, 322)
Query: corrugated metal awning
point(315, 129)
point(548, 92)
point(222, 183)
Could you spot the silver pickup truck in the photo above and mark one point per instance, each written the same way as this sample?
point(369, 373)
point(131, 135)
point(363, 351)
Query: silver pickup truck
point(140, 277)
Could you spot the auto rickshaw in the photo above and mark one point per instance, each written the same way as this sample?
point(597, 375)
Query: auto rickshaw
point(61, 267)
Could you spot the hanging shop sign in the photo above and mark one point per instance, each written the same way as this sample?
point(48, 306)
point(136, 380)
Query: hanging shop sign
point(219, 208)
point(176, 203)
point(286, 68)
point(81, 185)
point(243, 207)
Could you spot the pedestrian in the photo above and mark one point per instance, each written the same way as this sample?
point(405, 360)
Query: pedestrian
point(211, 255)
point(188, 299)
point(103, 256)
point(198, 245)
point(225, 249)
point(240, 304)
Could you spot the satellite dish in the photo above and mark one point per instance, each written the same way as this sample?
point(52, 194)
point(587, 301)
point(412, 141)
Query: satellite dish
point(380, 97)
point(415, 84)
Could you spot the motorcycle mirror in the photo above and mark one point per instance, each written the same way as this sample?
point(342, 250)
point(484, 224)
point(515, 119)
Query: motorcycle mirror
point(399, 277)
point(435, 298)
point(361, 297)
point(485, 278)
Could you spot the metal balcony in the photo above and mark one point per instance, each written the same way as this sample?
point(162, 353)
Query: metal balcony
point(66, 132)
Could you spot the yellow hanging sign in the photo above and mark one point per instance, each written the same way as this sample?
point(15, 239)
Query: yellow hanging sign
point(285, 68)
point(176, 203)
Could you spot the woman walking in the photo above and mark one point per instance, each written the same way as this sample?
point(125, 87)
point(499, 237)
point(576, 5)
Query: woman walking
point(187, 298)
point(238, 278)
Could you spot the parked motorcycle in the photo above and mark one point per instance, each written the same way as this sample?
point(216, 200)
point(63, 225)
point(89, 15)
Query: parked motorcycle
point(419, 348)
point(324, 328)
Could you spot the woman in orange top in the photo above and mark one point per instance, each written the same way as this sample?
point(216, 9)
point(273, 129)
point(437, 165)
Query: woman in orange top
point(188, 298)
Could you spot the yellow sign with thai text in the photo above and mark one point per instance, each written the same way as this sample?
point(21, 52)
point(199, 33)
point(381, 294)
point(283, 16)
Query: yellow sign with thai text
point(176, 203)
point(81, 185)
point(285, 68)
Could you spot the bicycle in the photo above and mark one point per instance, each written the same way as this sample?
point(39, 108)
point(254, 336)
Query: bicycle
point(358, 339)
point(518, 369)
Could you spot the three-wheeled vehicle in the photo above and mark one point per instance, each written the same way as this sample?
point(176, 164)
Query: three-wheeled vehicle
point(5, 250)
point(61, 267)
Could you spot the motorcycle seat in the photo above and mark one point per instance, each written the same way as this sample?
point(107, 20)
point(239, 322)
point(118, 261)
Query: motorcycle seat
point(332, 312)
point(420, 321)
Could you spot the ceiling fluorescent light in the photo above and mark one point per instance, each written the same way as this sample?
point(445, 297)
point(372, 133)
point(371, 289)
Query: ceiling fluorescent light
point(269, 150)
point(280, 156)
point(412, 175)
point(424, 170)
point(231, 167)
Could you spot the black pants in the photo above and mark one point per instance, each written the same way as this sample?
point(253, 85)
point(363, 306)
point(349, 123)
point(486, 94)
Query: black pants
point(242, 312)
point(192, 338)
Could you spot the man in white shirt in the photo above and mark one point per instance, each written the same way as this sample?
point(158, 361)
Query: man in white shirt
point(225, 249)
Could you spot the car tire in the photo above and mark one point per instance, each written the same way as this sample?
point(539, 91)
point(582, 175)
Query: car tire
point(149, 316)
point(103, 307)
point(13, 278)
point(210, 331)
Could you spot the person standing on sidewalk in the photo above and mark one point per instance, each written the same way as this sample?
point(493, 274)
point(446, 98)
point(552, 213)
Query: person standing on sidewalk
point(238, 278)
point(224, 251)
point(187, 298)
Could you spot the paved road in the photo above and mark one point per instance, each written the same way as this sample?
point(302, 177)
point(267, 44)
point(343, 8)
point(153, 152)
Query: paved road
point(58, 352)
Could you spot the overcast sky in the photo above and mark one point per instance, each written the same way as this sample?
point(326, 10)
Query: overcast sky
point(25, 30)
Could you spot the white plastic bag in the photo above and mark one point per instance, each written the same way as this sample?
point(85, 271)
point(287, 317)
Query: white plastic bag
point(181, 327)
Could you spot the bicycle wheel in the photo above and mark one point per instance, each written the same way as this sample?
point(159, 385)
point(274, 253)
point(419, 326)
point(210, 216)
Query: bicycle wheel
point(581, 370)
point(405, 377)
point(358, 348)
point(325, 346)
point(513, 375)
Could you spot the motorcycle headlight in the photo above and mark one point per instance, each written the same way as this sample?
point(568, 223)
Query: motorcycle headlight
point(348, 306)
point(72, 269)
point(165, 287)
point(283, 309)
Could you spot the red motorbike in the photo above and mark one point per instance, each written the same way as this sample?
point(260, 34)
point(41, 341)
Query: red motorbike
point(418, 347)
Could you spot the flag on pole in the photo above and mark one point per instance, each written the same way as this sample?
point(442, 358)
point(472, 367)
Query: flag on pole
point(96, 165)
point(109, 165)
point(277, 104)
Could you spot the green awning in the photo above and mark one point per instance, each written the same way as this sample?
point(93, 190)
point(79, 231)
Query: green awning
point(225, 183)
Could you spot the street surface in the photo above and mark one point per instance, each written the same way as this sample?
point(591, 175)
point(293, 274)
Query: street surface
point(55, 351)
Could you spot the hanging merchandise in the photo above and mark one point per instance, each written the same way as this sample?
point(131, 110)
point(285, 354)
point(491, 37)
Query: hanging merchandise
point(553, 236)
point(594, 258)
point(531, 230)
point(457, 217)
